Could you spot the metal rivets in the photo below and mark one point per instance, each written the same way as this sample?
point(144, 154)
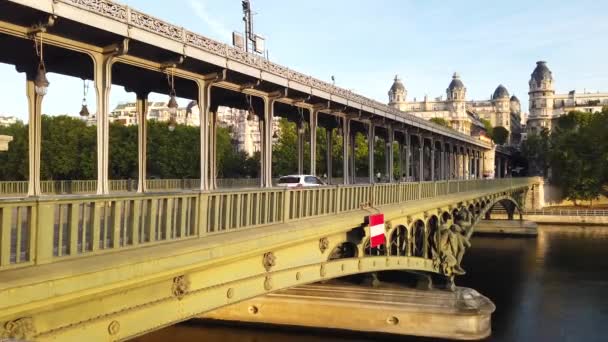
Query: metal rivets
point(230, 293)
point(253, 310)
point(343, 267)
point(298, 275)
point(392, 320)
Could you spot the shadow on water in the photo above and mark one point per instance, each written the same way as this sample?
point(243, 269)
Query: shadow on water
point(552, 288)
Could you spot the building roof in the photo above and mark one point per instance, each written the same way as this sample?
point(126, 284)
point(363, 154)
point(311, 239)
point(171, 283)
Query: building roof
point(541, 72)
point(397, 85)
point(500, 92)
point(456, 82)
point(514, 98)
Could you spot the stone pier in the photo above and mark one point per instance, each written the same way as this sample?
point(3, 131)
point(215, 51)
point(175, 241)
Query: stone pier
point(463, 314)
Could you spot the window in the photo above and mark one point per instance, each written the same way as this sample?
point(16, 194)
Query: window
point(289, 180)
point(312, 180)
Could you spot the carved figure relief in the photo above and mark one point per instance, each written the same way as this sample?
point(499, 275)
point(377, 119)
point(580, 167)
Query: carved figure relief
point(452, 246)
point(19, 329)
point(323, 244)
point(181, 285)
point(269, 261)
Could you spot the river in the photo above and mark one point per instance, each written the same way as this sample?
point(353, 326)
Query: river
point(552, 288)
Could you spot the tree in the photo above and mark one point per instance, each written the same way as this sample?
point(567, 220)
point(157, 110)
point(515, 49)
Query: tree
point(488, 127)
point(500, 135)
point(578, 155)
point(536, 150)
point(441, 121)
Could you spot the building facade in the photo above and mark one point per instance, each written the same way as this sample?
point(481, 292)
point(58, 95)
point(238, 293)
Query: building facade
point(6, 121)
point(462, 115)
point(546, 105)
point(245, 129)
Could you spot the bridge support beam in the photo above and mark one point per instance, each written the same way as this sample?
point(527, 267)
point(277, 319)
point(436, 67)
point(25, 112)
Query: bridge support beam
point(345, 150)
point(205, 140)
point(328, 154)
point(300, 146)
point(313, 119)
point(408, 156)
point(103, 84)
point(371, 138)
point(34, 135)
point(266, 140)
point(389, 154)
point(141, 105)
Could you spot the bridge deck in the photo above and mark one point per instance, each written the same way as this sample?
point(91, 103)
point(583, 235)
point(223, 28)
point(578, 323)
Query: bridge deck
point(82, 273)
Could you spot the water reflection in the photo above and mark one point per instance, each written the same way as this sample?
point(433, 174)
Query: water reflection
point(552, 288)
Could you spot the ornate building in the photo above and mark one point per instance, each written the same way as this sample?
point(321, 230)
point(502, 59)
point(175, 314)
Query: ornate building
point(546, 106)
point(462, 115)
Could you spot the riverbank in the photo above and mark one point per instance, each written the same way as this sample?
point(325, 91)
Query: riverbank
point(563, 219)
point(507, 227)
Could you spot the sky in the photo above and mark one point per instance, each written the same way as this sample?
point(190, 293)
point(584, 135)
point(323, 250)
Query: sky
point(365, 43)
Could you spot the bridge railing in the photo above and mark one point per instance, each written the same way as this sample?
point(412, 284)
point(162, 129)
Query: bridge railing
point(51, 229)
point(568, 212)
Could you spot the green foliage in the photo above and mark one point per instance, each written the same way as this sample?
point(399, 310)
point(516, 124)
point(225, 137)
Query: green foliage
point(69, 151)
point(576, 152)
point(500, 135)
point(441, 121)
point(14, 162)
point(488, 127)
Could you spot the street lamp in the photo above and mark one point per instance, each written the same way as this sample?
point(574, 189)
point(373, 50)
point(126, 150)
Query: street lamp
point(172, 105)
point(41, 83)
point(84, 111)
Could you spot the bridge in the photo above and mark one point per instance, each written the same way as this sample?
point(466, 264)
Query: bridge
point(109, 264)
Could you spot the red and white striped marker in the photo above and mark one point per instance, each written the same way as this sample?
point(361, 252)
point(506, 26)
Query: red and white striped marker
point(376, 230)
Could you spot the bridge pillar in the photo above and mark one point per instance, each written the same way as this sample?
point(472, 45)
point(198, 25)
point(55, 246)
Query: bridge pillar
point(34, 135)
point(328, 153)
point(389, 154)
point(432, 161)
point(421, 163)
point(371, 137)
point(351, 159)
point(300, 146)
point(408, 156)
point(314, 114)
point(141, 105)
point(103, 83)
point(205, 142)
point(345, 149)
point(266, 142)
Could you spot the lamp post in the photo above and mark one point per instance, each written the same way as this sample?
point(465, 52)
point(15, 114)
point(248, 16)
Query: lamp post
point(172, 105)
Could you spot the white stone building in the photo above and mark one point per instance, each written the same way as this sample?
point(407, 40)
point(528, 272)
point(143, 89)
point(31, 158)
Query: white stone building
point(546, 105)
point(463, 116)
point(246, 133)
point(6, 121)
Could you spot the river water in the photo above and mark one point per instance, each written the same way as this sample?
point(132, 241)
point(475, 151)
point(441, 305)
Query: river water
point(552, 288)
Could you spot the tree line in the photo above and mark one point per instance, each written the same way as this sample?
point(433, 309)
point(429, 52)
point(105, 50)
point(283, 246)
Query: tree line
point(69, 152)
point(573, 155)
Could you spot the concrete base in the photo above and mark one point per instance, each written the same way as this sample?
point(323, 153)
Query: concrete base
point(507, 227)
point(4, 140)
point(463, 314)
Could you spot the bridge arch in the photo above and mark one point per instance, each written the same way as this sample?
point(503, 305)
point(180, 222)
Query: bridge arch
point(418, 238)
point(399, 241)
point(432, 231)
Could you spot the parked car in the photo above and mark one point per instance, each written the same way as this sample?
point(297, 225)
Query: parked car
point(298, 181)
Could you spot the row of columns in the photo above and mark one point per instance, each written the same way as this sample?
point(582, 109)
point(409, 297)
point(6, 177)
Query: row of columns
point(449, 162)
